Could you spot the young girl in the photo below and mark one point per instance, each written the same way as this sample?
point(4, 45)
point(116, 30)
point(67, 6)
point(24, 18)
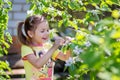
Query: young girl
point(38, 53)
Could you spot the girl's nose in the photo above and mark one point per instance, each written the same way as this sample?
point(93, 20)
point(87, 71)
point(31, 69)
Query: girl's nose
point(47, 33)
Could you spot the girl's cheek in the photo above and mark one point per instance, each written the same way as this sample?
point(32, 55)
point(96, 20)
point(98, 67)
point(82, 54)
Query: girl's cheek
point(40, 34)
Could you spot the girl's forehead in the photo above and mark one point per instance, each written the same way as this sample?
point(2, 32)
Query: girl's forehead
point(43, 25)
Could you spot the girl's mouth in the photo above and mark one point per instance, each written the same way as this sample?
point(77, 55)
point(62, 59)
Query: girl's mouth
point(44, 38)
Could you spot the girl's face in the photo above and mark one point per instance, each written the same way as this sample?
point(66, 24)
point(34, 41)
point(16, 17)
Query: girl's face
point(41, 34)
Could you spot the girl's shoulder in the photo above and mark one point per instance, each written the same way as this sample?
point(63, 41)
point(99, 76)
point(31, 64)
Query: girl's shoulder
point(25, 50)
point(25, 47)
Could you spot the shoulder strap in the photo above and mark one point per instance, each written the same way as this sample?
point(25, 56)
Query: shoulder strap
point(33, 51)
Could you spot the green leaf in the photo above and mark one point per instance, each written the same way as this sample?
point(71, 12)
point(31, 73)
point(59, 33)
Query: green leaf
point(60, 23)
point(72, 69)
point(116, 2)
point(105, 22)
point(72, 24)
point(95, 1)
point(104, 7)
point(32, 6)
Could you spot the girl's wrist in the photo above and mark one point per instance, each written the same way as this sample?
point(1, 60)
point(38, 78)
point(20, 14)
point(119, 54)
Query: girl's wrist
point(55, 46)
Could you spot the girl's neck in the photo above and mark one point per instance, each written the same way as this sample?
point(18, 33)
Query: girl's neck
point(37, 44)
point(41, 44)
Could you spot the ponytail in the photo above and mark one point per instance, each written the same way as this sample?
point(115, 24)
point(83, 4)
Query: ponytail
point(21, 36)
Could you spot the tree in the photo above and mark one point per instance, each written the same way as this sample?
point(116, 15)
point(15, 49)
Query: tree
point(96, 32)
point(5, 38)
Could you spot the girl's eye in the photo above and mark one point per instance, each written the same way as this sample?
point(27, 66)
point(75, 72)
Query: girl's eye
point(42, 31)
point(47, 30)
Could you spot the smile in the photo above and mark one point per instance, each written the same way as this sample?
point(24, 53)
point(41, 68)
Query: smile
point(44, 38)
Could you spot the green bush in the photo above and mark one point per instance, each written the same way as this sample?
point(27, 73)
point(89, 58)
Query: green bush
point(96, 27)
point(5, 38)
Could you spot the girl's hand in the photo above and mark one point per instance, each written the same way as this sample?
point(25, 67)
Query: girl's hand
point(59, 41)
point(68, 40)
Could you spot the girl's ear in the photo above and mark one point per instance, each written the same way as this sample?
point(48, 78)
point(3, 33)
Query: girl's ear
point(30, 33)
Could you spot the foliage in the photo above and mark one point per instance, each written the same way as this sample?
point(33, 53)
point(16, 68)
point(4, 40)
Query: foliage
point(5, 38)
point(95, 28)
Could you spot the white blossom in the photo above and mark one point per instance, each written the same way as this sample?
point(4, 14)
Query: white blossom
point(94, 12)
point(107, 51)
point(78, 59)
point(77, 75)
point(81, 3)
point(51, 8)
point(87, 44)
point(30, 12)
point(90, 28)
point(77, 50)
point(7, 62)
point(118, 39)
point(69, 62)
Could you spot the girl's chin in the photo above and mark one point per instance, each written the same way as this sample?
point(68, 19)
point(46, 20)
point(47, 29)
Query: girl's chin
point(44, 41)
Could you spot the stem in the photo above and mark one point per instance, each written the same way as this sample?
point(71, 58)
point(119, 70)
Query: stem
point(92, 75)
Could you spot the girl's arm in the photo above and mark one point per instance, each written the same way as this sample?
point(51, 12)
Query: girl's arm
point(39, 62)
point(63, 56)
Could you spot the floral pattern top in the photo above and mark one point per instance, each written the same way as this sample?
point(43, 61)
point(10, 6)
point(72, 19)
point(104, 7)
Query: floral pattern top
point(43, 73)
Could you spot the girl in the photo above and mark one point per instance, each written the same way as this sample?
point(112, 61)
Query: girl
point(37, 52)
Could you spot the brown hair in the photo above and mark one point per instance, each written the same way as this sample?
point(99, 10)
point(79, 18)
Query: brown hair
point(30, 23)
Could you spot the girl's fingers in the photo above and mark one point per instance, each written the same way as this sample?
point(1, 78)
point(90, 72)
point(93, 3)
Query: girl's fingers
point(59, 40)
